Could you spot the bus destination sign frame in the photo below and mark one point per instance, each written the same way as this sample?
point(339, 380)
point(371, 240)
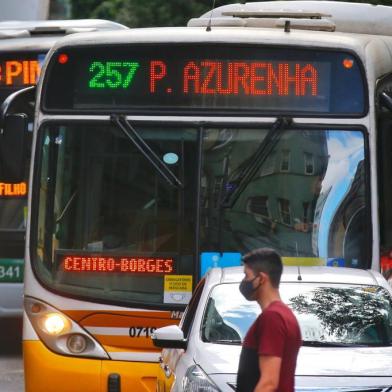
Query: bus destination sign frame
point(203, 78)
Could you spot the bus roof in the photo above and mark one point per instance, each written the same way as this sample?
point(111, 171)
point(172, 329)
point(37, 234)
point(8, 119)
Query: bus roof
point(21, 29)
point(377, 48)
point(219, 35)
point(346, 17)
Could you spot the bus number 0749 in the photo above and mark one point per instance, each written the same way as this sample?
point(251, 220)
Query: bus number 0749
point(139, 332)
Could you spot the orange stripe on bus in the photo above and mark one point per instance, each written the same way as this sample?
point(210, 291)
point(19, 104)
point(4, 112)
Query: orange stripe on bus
point(78, 315)
point(115, 349)
point(124, 321)
point(125, 342)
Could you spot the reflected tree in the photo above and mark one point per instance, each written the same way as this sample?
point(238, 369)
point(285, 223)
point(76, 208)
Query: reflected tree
point(344, 313)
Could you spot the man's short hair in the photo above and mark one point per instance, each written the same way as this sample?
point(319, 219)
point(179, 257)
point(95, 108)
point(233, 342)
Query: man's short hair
point(265, 260)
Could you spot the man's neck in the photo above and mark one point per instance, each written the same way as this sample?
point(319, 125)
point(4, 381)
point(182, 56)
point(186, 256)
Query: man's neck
point(268, 297)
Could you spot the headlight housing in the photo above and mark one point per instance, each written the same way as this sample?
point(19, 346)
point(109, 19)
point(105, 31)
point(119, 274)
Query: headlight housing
point(60, 333)
point(195, 380)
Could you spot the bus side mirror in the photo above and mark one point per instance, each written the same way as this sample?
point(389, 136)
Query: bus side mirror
point(386, 100)
point(14, 136)
point(13, 147)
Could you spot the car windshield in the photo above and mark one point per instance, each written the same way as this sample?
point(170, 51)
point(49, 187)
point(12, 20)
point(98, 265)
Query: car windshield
point(328, 314)
point(113, 218)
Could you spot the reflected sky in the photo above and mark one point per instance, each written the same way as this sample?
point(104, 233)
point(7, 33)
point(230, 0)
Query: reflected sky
point(346, 151)
point(233, 307)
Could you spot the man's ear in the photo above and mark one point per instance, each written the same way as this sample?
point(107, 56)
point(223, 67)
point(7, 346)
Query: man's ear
point(263, 277)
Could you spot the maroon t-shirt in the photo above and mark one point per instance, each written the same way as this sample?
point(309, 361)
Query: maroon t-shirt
point(275, 332)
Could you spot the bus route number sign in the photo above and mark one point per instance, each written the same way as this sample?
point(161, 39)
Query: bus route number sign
point(217, 83)
point(203, 77)
point(11, 270)
point(252, 78)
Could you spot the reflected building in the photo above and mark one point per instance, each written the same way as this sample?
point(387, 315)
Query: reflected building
point(284, 196)
point(278, 206)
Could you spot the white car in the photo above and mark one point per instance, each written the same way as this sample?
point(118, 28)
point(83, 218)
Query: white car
point(345, 317)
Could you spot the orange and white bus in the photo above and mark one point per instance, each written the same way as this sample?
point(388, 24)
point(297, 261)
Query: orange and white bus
point(159, 153)
point(23, 46)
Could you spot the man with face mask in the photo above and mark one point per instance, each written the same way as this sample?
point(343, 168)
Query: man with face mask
point(270, 348)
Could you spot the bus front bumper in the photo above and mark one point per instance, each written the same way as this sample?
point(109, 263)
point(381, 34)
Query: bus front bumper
point(50, 372)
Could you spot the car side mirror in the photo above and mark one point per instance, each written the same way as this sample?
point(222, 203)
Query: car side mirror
point(13, 147)
point(169, 337)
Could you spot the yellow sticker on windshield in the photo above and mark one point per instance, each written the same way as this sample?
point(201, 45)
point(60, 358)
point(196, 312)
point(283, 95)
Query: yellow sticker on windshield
point(305, 261)
point(177, 289)
point(370, 289)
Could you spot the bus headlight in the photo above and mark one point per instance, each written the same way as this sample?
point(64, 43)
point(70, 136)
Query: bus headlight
point(55, 323)
point(60, 333)
point(76, 343)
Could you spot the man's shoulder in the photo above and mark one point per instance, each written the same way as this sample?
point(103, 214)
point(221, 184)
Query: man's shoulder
point(278, 307)
point(279, 310)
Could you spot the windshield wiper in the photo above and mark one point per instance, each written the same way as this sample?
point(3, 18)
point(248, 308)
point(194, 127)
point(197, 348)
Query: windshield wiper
point(66, 208)
point(233, 189)
point(318, 343)
point(227, 341)
point(129, 131)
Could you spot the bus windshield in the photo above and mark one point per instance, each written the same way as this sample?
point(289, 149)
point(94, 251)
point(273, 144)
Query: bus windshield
point(18, 69)
point(109, 227)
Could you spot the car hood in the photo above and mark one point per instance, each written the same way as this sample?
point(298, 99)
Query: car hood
point(344, 361)
point(217, 358)
point(312, 361)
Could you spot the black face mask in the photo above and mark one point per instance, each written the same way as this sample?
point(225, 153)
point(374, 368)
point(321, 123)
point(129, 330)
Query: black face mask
point(247, 289)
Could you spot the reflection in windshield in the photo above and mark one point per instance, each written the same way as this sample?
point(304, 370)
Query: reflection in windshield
point(100, 195)
point(306, 199)
point(13, 213)
point(228, 315)
point(101, 198)
point(341, 203)
point(357, 314)
point(328, 315)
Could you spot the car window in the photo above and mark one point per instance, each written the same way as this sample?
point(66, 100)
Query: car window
point(228, 315)
point(347, 314)
point(190, 311)
point(327, 313)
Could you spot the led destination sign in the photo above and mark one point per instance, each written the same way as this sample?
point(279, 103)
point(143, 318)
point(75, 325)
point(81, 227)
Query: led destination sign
point(13, 190)
point(214, 78)
point(119, 264)
point(20, 70)
point(196, 78)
